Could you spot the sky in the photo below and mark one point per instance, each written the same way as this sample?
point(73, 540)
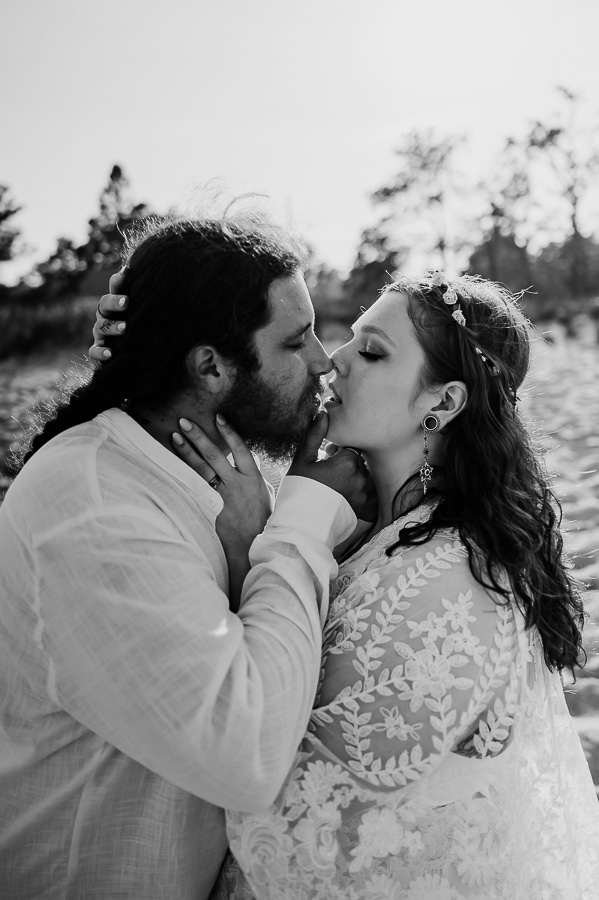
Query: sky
point(303, 101)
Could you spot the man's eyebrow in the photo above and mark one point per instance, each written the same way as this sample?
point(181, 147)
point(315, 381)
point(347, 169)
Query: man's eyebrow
point(298, 332)
point(372, 329)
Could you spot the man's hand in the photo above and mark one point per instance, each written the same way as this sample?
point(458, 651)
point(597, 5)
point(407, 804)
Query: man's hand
point(343, 471)
point(109, 318)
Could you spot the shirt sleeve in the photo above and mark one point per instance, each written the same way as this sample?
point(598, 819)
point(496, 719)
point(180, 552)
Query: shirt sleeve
point(142, 649)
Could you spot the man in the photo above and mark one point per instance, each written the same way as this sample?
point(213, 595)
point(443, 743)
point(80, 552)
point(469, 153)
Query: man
point(135, 704)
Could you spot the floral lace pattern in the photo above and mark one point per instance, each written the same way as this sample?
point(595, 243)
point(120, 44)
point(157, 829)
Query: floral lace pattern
point(440, 761)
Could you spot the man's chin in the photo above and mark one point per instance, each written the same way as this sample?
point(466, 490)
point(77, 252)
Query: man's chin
point(272, 451)
point(281, 445)
point(264, 421)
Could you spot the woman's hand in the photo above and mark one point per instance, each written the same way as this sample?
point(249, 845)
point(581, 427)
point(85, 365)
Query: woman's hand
point(341, 468)
point(368, 510)
point(110, 321)
point(247, 499)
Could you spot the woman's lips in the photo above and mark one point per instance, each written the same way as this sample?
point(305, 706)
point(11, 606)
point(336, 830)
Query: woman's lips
point(331, 398)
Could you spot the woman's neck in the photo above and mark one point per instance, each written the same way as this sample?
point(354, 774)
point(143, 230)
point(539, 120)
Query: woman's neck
point(396, 487)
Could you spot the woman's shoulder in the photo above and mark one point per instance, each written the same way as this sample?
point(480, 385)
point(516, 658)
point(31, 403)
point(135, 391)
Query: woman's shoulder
point(432, 576)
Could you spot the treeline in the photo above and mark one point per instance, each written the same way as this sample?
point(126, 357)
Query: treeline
point(522, 225)
point(50, 305)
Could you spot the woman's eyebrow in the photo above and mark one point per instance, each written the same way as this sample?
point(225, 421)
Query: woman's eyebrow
point(372, 329)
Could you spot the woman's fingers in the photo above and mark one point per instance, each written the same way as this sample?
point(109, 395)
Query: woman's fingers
point(205, 450)
point(99, 352)
point(109, 319)
point(104, 328)
point(308, 452)
point(108, 327)
point(112, 306)
point(187, 452)
point(115, 285)
point(244, 461)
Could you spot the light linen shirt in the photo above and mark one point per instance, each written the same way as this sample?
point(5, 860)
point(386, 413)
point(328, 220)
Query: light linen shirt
point(133, 703)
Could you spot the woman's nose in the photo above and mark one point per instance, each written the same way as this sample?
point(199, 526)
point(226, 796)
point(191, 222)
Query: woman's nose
point(337, 359)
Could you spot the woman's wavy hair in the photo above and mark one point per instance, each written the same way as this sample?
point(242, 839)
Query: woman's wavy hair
point(494, 488)
point(188, 282)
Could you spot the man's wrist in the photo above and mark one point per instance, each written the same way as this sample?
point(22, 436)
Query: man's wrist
point(312, 508)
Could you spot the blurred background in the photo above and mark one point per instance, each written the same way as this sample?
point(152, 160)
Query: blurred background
point(461, 136)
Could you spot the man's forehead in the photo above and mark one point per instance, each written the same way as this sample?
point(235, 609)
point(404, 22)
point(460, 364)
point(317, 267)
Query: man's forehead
point(290, 305)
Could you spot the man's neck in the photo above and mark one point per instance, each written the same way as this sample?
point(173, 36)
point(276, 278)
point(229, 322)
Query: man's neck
point(162, 423)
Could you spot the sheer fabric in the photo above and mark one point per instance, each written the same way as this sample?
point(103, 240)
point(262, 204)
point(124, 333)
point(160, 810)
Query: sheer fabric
point(440, 761)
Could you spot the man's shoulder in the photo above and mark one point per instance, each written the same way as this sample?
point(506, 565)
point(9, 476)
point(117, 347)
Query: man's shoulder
point(77, 470)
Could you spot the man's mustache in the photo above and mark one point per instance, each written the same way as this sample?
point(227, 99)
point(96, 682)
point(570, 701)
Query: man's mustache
point(316, 387)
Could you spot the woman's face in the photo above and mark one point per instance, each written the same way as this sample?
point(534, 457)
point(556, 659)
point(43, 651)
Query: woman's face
point(377, 404)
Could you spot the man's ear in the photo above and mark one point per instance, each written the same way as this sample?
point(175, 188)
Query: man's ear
point(208, 370)
point(454, 399)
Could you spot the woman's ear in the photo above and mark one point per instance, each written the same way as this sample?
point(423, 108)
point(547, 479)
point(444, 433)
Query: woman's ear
point(454, 399)
point(208, 370)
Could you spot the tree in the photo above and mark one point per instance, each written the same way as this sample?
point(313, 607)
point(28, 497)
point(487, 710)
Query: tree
point(376, 260)
point(63, 272)
point(500, 258)
point(503, 254)
point(554, 265)
point(417, 200)
point(570, 154)
point(8, 234)
point(117, 213)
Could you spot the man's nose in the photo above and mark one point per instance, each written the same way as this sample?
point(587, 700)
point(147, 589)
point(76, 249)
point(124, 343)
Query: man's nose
point(321, 362)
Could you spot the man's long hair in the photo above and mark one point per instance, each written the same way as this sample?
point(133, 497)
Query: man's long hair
point(189, 282)
point(494, 488)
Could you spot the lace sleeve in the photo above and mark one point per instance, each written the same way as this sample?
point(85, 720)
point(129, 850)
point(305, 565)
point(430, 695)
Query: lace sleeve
point(417, 667)
point(416, 664)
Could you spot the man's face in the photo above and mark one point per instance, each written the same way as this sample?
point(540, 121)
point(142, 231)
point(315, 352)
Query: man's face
point(272, 408)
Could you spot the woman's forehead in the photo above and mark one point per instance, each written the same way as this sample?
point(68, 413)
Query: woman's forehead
point(389, 313)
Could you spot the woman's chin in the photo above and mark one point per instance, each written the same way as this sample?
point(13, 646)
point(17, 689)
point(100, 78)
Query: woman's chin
point(336, 435)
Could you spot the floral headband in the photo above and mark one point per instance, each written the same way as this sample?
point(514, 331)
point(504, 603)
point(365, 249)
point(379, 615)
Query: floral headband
point(449, 295)
point(439, 286)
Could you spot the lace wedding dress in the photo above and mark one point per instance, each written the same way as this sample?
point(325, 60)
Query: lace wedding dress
point(440, 762)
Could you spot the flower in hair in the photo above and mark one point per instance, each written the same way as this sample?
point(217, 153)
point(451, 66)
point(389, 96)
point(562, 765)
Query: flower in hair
point(440, 288)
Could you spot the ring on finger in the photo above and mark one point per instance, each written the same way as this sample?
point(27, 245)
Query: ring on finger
point(215, 482)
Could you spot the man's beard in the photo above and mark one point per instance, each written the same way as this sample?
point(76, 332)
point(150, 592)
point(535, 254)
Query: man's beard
point(271, 424)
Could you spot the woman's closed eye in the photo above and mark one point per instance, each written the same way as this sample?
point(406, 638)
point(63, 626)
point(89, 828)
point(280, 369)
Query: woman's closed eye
point(368, 354)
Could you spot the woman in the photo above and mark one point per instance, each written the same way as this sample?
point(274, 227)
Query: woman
point(440, 760)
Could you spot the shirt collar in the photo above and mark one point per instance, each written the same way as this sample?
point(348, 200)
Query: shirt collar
point(120, 424)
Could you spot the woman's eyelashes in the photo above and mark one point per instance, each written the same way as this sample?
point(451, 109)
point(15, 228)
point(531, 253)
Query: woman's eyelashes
point(368, 354)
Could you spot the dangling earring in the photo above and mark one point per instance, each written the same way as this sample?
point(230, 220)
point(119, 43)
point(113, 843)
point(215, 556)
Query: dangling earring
point(430, 424)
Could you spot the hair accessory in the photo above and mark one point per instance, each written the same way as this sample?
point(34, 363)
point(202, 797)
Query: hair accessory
point(490, 365)
point(430, 424)
point(449, 295)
